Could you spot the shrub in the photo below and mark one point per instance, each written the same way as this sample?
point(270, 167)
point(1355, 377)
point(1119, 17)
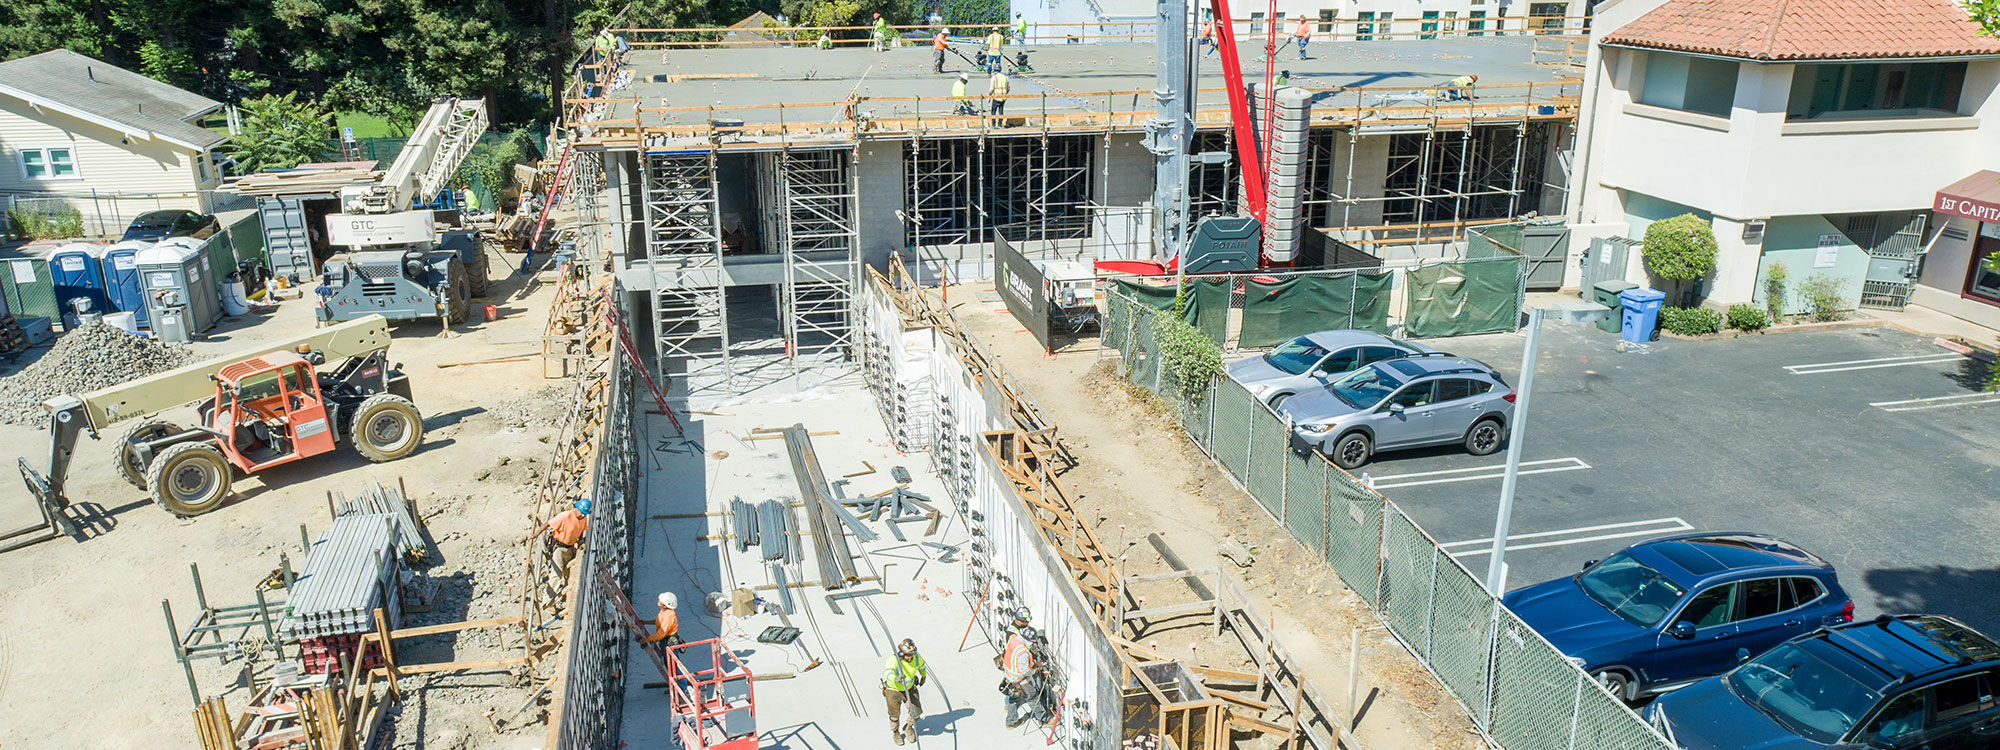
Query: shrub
point(1690, 321)
point(1679, 249)
point(1747, 318)
point(1187, 356)
point(1774, 290)
point(1823, 297)
point(64, 223)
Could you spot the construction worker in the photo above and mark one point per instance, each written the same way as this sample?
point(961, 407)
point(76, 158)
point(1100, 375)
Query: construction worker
point(1284, 78)
point(1022, 680)
point(605, 45)
point(997, 92)
point(958, 94)
point(1020, 29)
point(563, 532)
point(881, 33)
point(666, 624)
point(993, 42)
point(825, 42)
point(1207, 38)
point(938, 45)
point(1302, 34)
point(902, 676)
point(1460, 87)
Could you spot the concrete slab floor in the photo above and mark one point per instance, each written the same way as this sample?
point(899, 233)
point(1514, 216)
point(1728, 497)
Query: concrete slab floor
point(839, 703)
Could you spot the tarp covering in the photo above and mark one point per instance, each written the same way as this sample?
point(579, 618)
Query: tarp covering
point(1277, 312)
point(1207, 308)
point(1456, 298)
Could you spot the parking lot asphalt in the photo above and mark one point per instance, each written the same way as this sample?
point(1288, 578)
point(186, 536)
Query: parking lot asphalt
point(1870, 447)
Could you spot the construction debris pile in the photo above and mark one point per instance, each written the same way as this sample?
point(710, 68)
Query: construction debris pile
point(547, 407)
point(351, 572)
point(91, 357)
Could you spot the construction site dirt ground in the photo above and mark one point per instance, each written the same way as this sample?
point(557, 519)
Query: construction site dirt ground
point(85, 659)
point(1137, 471)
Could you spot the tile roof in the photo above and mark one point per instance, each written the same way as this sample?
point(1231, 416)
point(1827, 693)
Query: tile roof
point(1808, 29)
point(100, 90)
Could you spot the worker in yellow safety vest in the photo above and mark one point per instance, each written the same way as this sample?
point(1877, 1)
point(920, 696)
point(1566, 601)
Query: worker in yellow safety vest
point(997, 92)
point(993, 42)
point(902, 676)
point(605, 44)
point(881, 33)
point(1460, 87)
point(1020, 29)
point(825, 41)
point(959, 95)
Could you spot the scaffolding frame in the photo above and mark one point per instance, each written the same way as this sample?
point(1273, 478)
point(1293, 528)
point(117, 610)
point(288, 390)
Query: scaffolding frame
point(1028, 188)
point(1460, 174)
point(944, 191)
point(820, 245)
point(684, 255)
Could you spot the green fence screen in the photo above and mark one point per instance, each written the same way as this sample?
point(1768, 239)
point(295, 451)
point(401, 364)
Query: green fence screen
point(1277, 312)
point(1461, 297)
point(1207, 308)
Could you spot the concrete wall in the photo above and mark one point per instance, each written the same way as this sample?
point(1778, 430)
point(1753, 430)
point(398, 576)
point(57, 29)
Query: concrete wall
point(883, 192)
point(1941, 284)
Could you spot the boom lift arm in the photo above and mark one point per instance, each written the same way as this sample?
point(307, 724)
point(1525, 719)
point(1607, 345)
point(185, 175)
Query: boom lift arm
point(437, 146)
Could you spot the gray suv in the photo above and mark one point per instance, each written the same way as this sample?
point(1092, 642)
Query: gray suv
point(1403, 403)
point(1312, 360)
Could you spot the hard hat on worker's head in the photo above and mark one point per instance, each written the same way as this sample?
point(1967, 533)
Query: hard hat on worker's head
point(1475, 76)
point(583, 505)
point(669, 601)
point(907, 648)
point(964, 77)
point(1021, 615)
point(878, 15)
point(1285, 73)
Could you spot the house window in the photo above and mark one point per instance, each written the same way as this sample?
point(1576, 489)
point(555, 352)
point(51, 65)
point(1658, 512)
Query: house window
point(1450, 21)
point(1256, 23)
point(1547, 16)
point(1326, 19)
point(1364, 30)
point(1476, 22)
point(52, 163)
point(1429, 26)
point(1850, 90)
point(201, 167)
point(1384, 18)
point(1692, 84)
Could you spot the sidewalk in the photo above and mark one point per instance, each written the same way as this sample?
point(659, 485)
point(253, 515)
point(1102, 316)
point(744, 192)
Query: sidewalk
point(1924, 321)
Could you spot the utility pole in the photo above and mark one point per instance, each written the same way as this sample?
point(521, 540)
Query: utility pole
point(1496, 568)
point(1170, 134)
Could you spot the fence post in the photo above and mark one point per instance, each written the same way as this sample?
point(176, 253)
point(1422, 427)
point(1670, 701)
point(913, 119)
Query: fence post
point(1430, 606)
point(1249, 450)
point(1576, 708)
point(1484, 716)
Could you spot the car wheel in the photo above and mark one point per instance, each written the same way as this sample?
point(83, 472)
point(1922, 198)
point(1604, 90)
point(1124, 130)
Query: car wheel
point(1352, 450)
point(1484, 437)
point(1617, 682)
point(1278, 401)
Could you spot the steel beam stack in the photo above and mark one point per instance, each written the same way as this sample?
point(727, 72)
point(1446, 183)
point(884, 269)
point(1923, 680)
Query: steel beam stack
point(389, 501)
point(350, 572)
point(836, 560)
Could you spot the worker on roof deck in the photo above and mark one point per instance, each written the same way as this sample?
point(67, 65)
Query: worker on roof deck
point(881, 33)
point(1020, 29)
point(605, 44)
point(666, 624)
point(993, 42)
point(1302, 34)
point(1461, 87)
point(938, 45)
point(902, 676)
point(825, 42)
point(958, 94)
point(1284, 78)
point(563, 532)
point(997, 92)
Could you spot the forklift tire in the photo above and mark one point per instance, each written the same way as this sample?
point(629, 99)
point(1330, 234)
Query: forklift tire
point(189, 479)
point(128, 459)
point(386, 427)
point(458, 299)
point(476, 276)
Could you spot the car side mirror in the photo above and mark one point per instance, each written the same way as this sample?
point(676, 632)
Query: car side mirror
point(1742, 655)
point(1397, 409)
point(1683, 630)
point(1588, 563)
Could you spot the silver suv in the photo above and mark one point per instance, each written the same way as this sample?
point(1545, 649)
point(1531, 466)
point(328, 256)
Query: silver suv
point(1313, 360)
point(1403, 403)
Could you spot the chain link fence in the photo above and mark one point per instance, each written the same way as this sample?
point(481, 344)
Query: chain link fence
point(1518, 689)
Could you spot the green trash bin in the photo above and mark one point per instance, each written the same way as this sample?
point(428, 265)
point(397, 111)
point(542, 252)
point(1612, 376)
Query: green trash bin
point(1606, 293)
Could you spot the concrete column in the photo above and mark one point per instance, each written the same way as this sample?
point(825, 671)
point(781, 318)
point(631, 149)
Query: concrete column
point(885, 190)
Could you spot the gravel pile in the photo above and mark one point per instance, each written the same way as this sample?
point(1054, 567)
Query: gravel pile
point(547, 407)
point(86, 359)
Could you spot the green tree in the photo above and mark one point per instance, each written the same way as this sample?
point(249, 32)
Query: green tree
point(34, 26)
point(1679, 249)
point(280, 131)
point(1986, 13)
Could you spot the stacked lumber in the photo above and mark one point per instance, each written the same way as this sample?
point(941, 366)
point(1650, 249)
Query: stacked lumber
point(305, 179)
point(11, 338)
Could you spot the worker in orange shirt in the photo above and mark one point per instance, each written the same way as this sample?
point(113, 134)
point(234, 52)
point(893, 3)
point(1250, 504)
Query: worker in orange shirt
point(938, 45)
point(563, 533)
point(1302, 34)
point(666, 624)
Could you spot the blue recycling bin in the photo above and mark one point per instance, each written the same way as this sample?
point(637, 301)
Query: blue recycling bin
point(1641, 313)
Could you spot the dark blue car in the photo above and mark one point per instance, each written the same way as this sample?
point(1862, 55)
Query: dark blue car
point(1915, 682)
point(1667, 612)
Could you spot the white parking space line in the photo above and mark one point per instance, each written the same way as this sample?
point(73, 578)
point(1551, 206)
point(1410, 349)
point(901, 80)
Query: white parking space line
point(1937, 402)
point(1476, 473)
point(1579, 535)
point(1871, 364)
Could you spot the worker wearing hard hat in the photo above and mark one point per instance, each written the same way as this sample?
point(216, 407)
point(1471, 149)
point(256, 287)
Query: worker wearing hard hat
point(881, 33)
point(938, 45)
point(993, 42)
point(565, 531)
point(1461, 87)
point(667, 624)
point(1302, 35)
point(1020, 28)
point(825, 41)
point(959, 95)
point(1022, 682)
point(997, 93)
point(902, 676)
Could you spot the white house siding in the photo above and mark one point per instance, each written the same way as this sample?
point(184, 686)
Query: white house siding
point(126, 179)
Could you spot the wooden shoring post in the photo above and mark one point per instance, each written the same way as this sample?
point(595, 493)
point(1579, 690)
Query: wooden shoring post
point(388, 652)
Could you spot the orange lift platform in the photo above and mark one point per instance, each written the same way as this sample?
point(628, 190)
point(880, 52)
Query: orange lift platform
point(715, 703)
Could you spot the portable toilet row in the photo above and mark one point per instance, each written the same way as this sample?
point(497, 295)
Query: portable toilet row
point(106, 278)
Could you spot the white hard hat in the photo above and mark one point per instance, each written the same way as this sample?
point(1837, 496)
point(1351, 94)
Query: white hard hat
point(669, 601)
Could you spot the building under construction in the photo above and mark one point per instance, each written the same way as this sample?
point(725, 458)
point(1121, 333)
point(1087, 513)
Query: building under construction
point(739, 187)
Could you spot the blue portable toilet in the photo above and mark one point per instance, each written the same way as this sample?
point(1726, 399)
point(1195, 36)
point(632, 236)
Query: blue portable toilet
point(121, 279)
point(1641, 314)
point(79, 274)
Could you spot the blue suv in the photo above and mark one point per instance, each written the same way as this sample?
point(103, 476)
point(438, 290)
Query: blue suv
point(1892, 683)
point(1665, 613)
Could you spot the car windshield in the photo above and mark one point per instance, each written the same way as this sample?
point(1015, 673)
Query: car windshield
point(155, 220)
point(1802, 692)
point(1296, 356)
point(1635, 593)
point(1364, 387)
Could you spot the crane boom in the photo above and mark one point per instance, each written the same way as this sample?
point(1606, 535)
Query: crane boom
point(436, 148)
point(165, 390)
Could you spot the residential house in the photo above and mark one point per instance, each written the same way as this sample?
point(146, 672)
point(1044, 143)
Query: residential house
point(105, 140)
point(1813, 133)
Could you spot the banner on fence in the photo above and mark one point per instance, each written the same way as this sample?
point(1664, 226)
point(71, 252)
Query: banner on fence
point(1461, 297)
point(1020, 284)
